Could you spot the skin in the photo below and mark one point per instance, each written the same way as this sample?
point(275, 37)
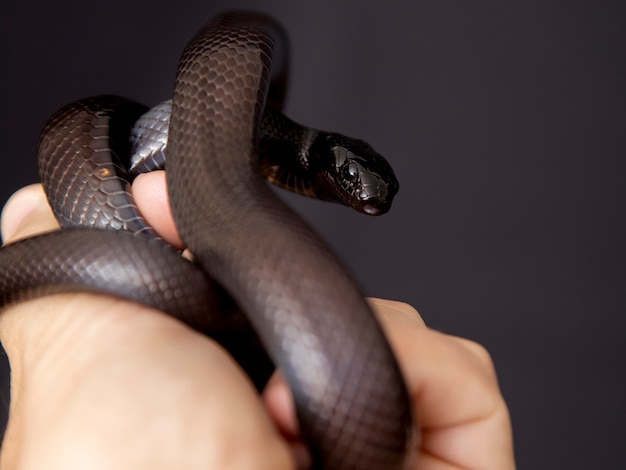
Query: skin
point(102, 383)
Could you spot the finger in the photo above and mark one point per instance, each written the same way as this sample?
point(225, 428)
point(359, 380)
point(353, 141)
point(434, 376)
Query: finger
point(26, 214)
point(464, 416)
point(395, 311)
point(457, 400)
point(280, 407)
point(150, 194)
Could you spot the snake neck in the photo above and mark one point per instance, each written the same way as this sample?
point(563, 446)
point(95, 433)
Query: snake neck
point(307, 161)
point(284, 153)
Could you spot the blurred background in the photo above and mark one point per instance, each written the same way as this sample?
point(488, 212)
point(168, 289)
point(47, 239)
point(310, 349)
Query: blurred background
point(506, 125)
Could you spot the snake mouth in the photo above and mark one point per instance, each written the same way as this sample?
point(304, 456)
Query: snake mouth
point(373, 206)
point(372, 210)
point(374, 197)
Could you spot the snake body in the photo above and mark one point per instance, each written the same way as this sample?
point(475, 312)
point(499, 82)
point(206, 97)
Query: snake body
point(311, 317)
point(310, 162)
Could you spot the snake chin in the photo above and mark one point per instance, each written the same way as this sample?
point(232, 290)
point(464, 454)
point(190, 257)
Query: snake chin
point(374, 206)
point(372, 210)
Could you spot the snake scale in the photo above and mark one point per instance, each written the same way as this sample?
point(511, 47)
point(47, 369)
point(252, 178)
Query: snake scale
point(310, 316)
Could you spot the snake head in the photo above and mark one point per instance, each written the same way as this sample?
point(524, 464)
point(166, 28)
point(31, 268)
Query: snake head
point(354, 173)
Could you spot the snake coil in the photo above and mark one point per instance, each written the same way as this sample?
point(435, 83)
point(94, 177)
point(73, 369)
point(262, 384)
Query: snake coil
point(312, 319)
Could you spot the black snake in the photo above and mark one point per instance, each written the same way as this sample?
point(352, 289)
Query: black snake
point(312, 319)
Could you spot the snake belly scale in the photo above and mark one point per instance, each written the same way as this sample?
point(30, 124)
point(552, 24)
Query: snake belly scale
point(350, 397)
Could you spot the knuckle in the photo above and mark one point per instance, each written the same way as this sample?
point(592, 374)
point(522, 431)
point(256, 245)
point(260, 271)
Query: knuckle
point(482, 356)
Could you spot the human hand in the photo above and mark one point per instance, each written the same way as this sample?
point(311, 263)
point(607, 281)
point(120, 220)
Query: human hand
point(103, 383)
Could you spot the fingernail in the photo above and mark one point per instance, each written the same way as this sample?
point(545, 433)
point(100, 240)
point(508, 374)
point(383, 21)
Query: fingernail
point(22, 203)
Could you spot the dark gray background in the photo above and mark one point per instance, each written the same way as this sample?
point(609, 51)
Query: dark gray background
point(505, 122)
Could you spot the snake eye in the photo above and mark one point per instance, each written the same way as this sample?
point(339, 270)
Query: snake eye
point(350, 172)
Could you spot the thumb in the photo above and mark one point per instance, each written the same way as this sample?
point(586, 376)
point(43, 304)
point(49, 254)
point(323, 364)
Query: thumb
point(151, 197)
point(27, 213)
